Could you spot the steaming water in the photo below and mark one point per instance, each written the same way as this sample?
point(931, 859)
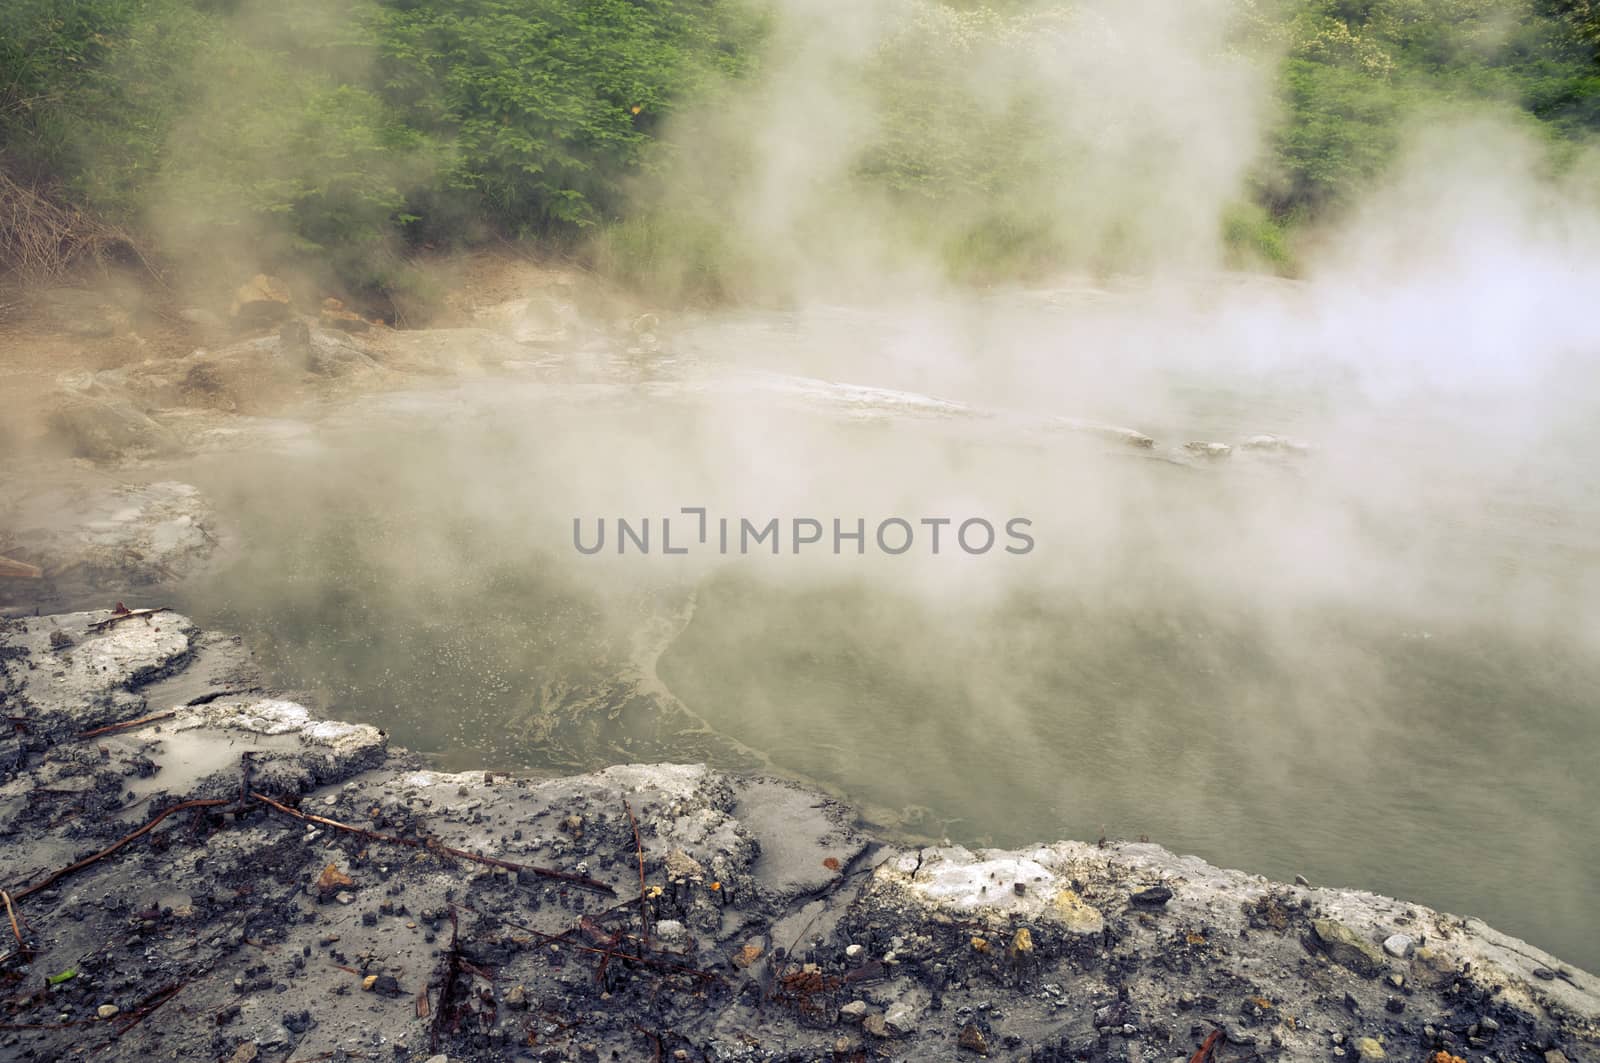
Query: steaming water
point(1372, 664)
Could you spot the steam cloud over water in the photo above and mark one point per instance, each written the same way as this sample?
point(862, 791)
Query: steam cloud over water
point(1371, 659)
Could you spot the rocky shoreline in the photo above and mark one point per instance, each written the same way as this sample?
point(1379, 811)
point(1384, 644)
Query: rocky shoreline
point(199, 868)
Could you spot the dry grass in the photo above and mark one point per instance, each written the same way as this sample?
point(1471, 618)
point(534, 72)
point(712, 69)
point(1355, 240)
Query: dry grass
point(42, 239)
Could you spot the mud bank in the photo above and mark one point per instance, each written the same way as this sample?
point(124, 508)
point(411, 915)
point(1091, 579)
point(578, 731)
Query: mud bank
point(200, 868)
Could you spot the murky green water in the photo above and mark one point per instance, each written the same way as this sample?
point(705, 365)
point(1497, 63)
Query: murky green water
point(1454, 769)
point(1375, 665)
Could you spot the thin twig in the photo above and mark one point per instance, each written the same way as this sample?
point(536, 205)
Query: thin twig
point(610, 953)
point(15, 929)
point(655, 1039)
point(447, 990)
point(69, 1024)
point(57, 876)
point(144, 1010)
point(544, 872)
point(638, 848)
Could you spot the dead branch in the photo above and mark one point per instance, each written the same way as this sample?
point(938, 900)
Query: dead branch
point(606, 951)
point(638, 848)
point(477, 972)
point(122, 613)
point(1204, 1053)
point(56, 876)
point(10, 569)
point(461, 854)
point(111, 728)
point(42, 238)
point(447, 991)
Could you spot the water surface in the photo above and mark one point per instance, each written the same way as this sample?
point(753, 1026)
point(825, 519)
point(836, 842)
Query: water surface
point(1372, 663)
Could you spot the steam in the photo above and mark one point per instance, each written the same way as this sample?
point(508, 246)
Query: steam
point(1234, 639)
point(279, 105)
point(888, 143)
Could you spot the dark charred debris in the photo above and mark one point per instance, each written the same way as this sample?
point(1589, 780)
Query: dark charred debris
point(196, 869)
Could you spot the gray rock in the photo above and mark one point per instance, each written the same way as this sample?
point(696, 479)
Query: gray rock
point(276, 1037)
point(261, 301)
point(86, 536)
point(1397, 945)
point(1431, 968)
point(1347, 948)
point(1154, 897)
point(900, 1018)
point(81, 312)
point(806, 837)
point(330, 353)
point(294, 336)
point(104, 428)
point(671, 932)
point(200, 318)
point(946, 914)
point(1275, 445)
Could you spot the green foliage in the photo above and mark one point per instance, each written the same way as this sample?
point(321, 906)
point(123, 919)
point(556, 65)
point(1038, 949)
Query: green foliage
point(1343, 127)
point(48, 48)
point(48, 43)
point(548, 103)
point(306, 129)
point(1359, 69)
point(1256, 240)
point(215, 130)
point(343, 133)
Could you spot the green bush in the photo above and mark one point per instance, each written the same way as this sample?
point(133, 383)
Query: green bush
point(1358, 69)
point(343, 134)
point(548, 103)
point(671, 256)
point(1255, 240)
point(303, 130)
